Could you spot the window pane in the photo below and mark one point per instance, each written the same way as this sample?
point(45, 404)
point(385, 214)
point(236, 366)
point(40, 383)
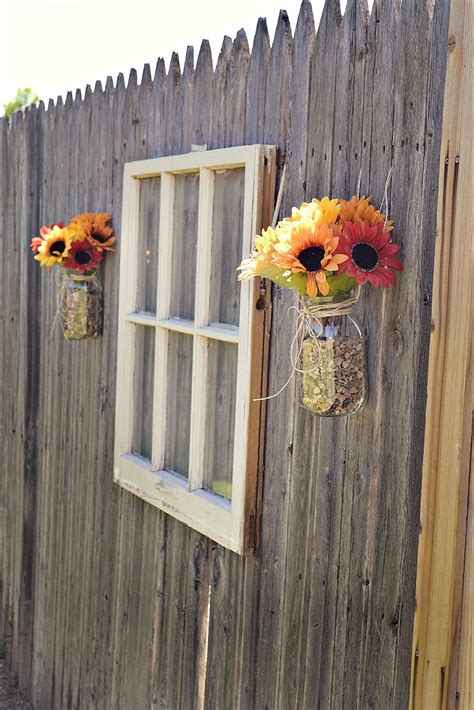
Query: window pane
point(148, 243)
point(143, 390)
point(220, 417)
point(178, 404)
point(183, 270)
point(227, 225)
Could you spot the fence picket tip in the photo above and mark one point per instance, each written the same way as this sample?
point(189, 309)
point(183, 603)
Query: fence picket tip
point(241, 42)
point(50, 104)
point(132, 79)
point(261, 36)
point(305, 21)
point(226, 48)
point(87, 92)
point(98, 87)
point(332, 12)
point(78, 96)
point(189, 59)
point(160, 70)
point(146, 75)
point(174, 69)
point(205, 54)
point(120, 85)
point(109, 84)
point(282, 29)
point(69, 99)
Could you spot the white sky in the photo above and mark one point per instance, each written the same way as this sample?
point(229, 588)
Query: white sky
point(59, 45)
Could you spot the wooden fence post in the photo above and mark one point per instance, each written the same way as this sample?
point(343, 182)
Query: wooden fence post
point(442, 660)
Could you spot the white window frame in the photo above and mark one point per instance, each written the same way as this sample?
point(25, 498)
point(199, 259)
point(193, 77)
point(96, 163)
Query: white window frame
point(232, 524)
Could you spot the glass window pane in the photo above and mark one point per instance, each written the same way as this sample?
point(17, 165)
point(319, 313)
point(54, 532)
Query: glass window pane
point(183, 269)
point(226, 251)
point(178, 403)
point(220, 417)
point(149, 225)
point(143, 390)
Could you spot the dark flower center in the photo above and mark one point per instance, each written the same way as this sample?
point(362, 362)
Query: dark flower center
point(57, 248)
point(365, 256)
point(83, 257)
point(311, 258)
point(99, 237)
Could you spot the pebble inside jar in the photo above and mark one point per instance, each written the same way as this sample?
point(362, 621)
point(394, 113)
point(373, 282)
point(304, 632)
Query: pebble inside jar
point(333, 380)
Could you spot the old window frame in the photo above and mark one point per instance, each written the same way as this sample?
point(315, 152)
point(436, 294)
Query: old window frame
point(232, 524)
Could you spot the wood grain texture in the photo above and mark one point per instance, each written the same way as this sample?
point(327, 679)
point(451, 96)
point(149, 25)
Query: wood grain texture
point(106, 602)
point(442, 638)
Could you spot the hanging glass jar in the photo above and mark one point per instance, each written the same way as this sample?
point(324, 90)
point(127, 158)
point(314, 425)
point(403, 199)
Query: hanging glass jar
point(332, 369)
point(81, 306)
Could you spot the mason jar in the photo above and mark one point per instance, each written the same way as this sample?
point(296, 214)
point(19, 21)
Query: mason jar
point(81, 306)
point(332, 369)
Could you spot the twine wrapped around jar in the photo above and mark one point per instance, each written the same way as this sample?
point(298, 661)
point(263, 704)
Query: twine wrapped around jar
point(80, 305)
point(328, 354)
point(332, 356)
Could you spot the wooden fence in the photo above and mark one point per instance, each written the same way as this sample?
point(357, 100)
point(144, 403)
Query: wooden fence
point(105, 601)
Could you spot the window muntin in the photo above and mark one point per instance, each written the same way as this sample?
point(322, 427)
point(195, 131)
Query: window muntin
point(190, 337)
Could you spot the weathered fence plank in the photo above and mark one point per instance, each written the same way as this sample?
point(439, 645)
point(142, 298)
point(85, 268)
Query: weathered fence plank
point(108, 602)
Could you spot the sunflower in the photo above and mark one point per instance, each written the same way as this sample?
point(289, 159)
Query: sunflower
point(359, 209)
point(83, 257)
point(370, 254)
point(323, 211)
point(310, 249)
point(36, 242)
point(96, 228)
point(54, 247)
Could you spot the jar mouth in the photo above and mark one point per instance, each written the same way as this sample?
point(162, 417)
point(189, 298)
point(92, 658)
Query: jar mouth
point(321, 300)
point(78, 276)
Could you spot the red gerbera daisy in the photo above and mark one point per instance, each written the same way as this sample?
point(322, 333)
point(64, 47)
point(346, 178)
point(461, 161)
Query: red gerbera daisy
point(83, 256)
point(371, 254)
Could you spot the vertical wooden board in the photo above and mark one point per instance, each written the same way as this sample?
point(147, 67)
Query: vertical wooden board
point(4, 439)
point(134, 569)
point(261, 588)
point(443, 554)
point(203, 96)
point(255, 100)
point(8, 450)
point(227, 569)
point(65, 408)
point(180, 564)
point(344, 582)
point(100, 504)
point(97, 674)
point(72, 473)
point(49, 537)
point(320, 126)
point(300, 430)
point(14, 498)
point(405, 337)
point(219, 115)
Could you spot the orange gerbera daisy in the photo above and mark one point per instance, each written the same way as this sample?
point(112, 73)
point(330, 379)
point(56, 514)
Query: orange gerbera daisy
point(359, 209)
point(97, 229)
point(310, 249)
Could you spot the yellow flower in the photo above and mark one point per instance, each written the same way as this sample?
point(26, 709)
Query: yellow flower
point(323, 211)
point(359, 209)
point(310, 249)
point(55, 247)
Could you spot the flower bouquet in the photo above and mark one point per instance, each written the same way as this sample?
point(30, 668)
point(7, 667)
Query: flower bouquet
point(78, 249)
point(325, 251)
